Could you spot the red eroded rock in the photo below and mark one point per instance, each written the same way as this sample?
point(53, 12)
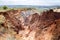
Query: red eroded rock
point(36, 27)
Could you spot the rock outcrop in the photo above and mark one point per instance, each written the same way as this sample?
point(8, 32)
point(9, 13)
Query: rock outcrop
point(45, 26)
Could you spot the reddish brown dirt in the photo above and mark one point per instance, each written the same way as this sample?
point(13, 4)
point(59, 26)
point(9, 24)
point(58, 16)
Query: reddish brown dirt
point(46, 26)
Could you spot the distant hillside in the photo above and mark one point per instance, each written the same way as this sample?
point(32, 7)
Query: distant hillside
point(29, 6)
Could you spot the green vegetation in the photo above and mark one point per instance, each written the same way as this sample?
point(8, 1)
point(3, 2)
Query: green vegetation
point(5, 7)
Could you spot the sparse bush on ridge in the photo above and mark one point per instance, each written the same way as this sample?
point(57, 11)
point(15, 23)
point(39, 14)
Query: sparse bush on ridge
point(5, 7)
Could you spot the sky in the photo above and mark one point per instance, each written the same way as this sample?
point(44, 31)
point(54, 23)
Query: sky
point(30, 2)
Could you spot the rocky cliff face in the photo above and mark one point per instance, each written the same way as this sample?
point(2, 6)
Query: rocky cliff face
point(22, 26)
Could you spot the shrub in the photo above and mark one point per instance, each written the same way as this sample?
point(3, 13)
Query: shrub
point(5, 7)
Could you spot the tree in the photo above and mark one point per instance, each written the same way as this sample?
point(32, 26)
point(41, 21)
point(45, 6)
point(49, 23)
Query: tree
point(5, 7)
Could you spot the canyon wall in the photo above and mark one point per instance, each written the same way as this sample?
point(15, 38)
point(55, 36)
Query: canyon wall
point(22, 26)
